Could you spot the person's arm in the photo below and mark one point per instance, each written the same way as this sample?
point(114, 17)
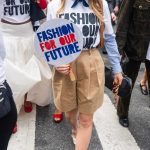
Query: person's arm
point(116, 9)
point(110, 42)
point(111, 9)
point(111, 47)
point(124, 19)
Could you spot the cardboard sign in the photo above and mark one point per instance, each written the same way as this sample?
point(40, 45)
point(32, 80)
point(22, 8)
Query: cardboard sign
point(58, 41)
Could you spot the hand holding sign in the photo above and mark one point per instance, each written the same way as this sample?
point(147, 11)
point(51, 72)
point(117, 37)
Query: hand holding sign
point(59, 42)
point(65, 69)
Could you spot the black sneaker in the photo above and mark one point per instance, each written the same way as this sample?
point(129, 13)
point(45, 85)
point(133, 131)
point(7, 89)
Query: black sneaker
point(124, 121)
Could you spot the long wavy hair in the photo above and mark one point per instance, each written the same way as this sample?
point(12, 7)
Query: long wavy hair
point(95, 5)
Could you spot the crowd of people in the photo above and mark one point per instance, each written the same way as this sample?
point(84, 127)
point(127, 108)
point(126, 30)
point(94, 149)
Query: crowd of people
point(31, 80)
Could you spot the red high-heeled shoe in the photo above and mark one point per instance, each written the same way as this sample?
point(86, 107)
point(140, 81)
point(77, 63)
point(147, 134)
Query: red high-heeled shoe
point(27, 106)
point(57, 118)
point(14, 129)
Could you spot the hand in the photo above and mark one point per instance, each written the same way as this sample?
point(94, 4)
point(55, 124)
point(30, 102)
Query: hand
point(64, 69)
point(124, 58)
point(117, 82)
point(116, 9)
point(113, 16)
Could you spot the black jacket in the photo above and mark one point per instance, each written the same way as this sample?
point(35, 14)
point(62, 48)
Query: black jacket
point(133, 31)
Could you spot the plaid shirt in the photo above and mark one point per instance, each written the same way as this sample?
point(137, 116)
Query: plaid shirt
point(133, 29)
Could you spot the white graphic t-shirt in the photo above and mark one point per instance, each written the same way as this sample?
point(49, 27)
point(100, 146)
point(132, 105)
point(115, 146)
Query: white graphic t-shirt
point(16, 10)
point(148, 53)
point(84, 18)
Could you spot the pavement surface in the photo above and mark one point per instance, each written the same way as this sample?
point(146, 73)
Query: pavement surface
point(36, 131)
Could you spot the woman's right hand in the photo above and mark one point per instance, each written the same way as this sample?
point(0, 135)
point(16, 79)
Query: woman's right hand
point(64, 69)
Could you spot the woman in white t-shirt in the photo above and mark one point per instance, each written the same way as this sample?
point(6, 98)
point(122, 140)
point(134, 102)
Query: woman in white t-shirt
point(79, 99)
point(24, 71)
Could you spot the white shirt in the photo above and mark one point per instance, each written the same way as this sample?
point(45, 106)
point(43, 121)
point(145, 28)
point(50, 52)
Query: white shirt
point(84, 18)
point(148, 53)
point(2, 56)
point(16, 11)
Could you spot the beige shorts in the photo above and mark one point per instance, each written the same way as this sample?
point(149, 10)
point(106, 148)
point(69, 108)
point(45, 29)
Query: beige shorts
point(86, 92)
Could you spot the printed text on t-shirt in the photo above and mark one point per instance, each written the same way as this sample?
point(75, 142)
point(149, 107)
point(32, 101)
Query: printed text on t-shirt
point(11, 8)
point(90, 26)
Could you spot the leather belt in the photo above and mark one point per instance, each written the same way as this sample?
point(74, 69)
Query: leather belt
point(13, 23)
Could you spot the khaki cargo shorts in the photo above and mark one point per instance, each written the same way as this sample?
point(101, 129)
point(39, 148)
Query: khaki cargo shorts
point(86, 92)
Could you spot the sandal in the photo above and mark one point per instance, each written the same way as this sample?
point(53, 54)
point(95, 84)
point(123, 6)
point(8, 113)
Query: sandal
point(144, 89)
point(27, 106)
point(57, 118)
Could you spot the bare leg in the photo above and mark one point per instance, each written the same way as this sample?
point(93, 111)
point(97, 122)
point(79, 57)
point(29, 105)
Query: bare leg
point(72, 118)
point(144, 80)
point(84, 131)
point(143, 84)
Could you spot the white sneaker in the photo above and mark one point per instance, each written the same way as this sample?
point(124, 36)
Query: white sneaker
point(73, 139)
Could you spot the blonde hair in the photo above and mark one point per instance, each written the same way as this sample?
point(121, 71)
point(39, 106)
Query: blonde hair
point(95, 5)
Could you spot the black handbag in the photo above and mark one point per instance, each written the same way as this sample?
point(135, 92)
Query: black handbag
point(4, 101)
point(125, 87)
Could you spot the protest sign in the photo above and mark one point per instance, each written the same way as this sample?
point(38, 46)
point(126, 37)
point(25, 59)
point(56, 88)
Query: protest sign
point(58, 42)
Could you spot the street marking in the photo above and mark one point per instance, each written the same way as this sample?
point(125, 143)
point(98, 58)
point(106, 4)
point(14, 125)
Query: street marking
point(24, 139)
point(112, 135)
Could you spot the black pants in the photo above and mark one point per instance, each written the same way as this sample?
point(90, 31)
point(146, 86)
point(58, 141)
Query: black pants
point(8, 122)
point(131, 69)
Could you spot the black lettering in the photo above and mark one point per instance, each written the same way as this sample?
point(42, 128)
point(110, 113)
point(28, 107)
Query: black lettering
point(66, 16)
point(85, 30)
point(11, 11)
point(80, 18)
point(21, 1)
point(16, 9)
point(27, 9)
point(97, 29)
point(88, 42)
point(73, 17)
point(22, 10)
point(92, 18)
point(87, 18)
point(5, 10)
